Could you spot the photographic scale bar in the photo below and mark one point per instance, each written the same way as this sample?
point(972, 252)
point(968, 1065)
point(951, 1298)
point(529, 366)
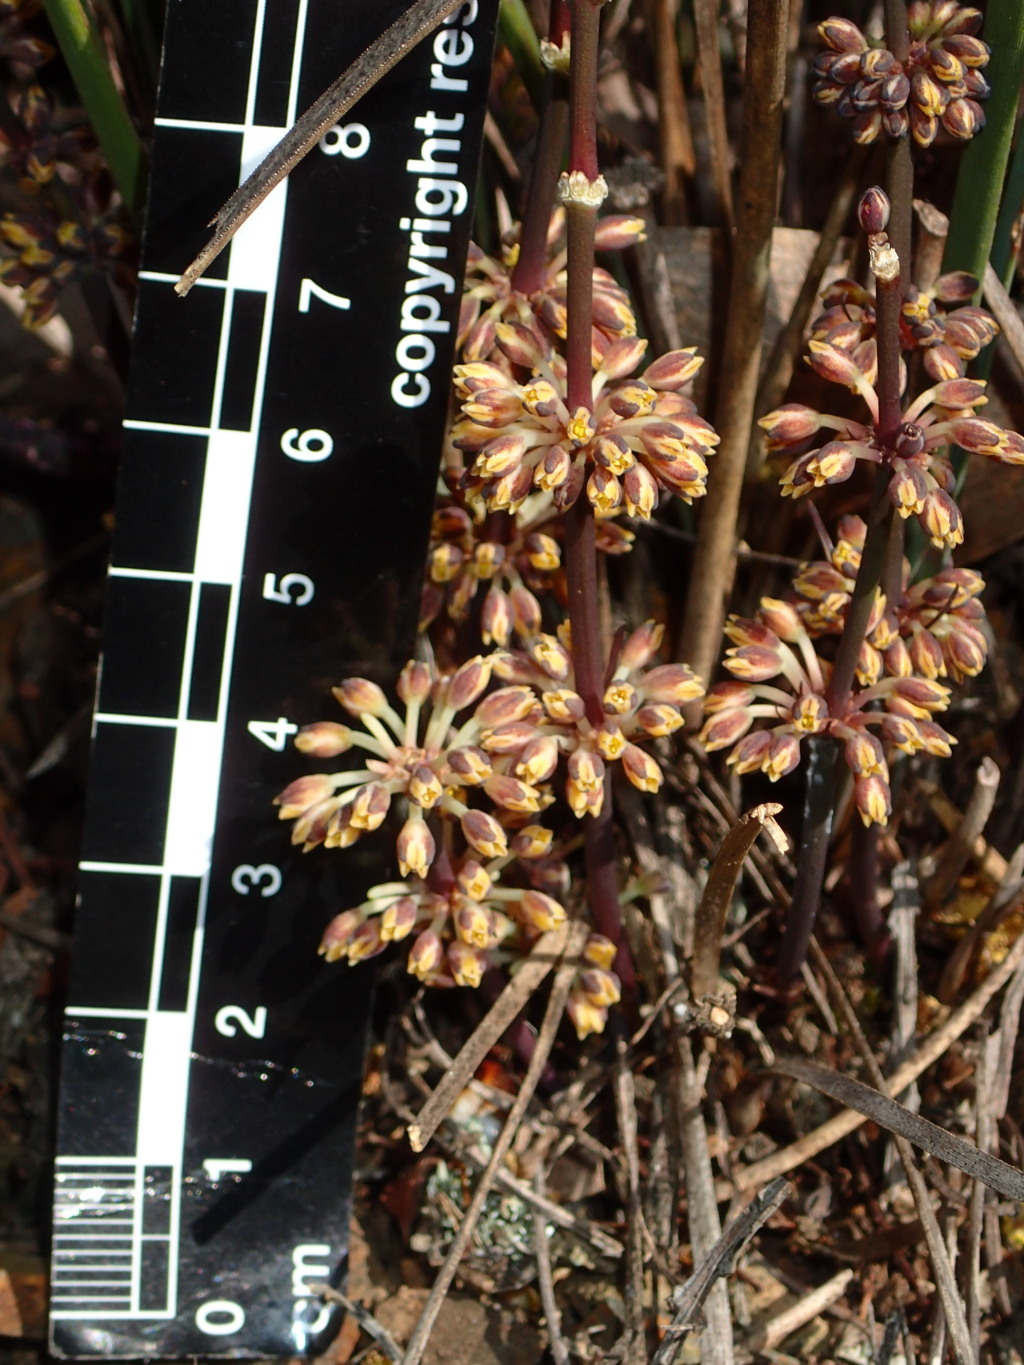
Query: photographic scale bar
point(279, 457)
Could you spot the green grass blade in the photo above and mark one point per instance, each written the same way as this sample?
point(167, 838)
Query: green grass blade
point(516, 31)
point(87, 61)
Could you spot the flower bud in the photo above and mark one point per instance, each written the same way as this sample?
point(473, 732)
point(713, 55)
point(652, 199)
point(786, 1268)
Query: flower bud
point(618, 231)
point(399, 919)
point(511, 794)
point(371, 803)
point(360, 697)
point(611, 742)
point(483, 833)
point(673, 683)
point(425, 787)
point(623, 356)
point(532, 841)
point(641, 646)
point(539, 911)
point(674, 369)
point(366, 942)
point(942, 520)
point(538, 760)
point(725, 728)
point(470, 765)
point(414, 683)
point(782, 618)
point(324, 739)
point(782, 757)
point(603, 491)
point(963, 118)
point(640, 491)
point(641, 769)
point(873, 209)
point(842, 35)
point(790, 423)
point(600, 987)
point(467, 964)
point(873, 799)
point(425, 955)
point(415, 847)
point(522, 345)
point(505, 705)
point(338, 934)
point(303, 793)
point(833, 364)
point(585, 1017)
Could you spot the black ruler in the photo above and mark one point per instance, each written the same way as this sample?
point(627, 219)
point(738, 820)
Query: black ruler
point(280, 455)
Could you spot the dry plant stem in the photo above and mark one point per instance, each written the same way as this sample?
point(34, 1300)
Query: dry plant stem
point(715, 555)
point(540, 197)
point(705, 14)
point(933, 228)
point(783, 1324)
point(718, 1263)
point(957, 851)
point(1004, 310)
point(819, 798)
point(704, 1225)
point(677, 157)
point(719, 890)
point(363, 1317)
point(933, 1047)
point(625, 1113)
point(545, 1282)
point(956, 1321)
point(545, 1040)
point(509, 1003)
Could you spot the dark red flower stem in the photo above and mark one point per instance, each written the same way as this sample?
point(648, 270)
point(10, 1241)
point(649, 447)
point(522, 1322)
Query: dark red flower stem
point(528, 275)
point(580, 537)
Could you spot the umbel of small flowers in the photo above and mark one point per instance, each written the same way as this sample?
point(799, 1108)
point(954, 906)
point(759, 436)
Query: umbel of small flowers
point(936, 627)
point(922, 478)
point(938, 85)
point(779, 698)
point(940, 323)
point(490, 297)
point(513, 557)
point(642, 435)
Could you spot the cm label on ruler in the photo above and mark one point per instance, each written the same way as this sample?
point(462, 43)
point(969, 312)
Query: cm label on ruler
point(280, 453)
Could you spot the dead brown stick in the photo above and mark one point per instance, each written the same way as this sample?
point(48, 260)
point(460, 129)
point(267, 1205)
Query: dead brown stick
point(931, 1049)
point(634, 1352)
point(989, 859)
point(545, 1040)
point(957, 851)
point(546, 1283)
point(1002, 903)
point(715, 554)
point(705, 1228)
point(705, 15)
point(945, 1278)
point(789, 1320)
point(363, 1316)
point(1005, 312)
point(933, 228)
point(717, 1263)
point(544, 955)
point(677, 156)
point(720, 889)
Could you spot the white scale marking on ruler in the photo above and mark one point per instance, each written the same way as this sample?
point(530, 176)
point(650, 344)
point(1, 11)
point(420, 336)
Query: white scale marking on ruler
point(220, 549)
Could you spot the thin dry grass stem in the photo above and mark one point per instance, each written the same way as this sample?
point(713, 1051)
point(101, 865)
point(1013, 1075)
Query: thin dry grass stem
point(545, 1282)
point(945, 1278)
point(984, 1136)
point(782, 358)
point(931, 1049)
point(1001, 905)
point(989, 859)
point(933, 228)
point(513, 998)
point(715, 553)
point(937, 1344)
point(1004, 310)
point(718, 1263)
point(705, 15)
point(705, 1228)
point(677, 156)
point(633, 1349)
point(1004, 1048)
point(720, 889)
point(369, 1324)
point(902, 926)
point(545, 1040)
point(954, 857)
point(789, 1320)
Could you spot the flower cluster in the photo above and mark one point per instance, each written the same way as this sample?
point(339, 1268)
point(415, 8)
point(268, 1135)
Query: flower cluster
point(490, 298)
point(922, 478)
point(39, 135)
point(641, 436)
point(939, 322)
point(46, 250)
point(471, 769)
point(938, 85)
point(516, 555)
point(780, 698)
point(935, 628)
point(17, 43)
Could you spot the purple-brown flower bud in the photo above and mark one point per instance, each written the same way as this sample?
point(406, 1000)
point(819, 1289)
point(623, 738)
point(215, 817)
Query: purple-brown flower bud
point(538, 759)
point(469, 764)
point(399, 919)
point(338, 934)
point(425, 787)
point(641, 769)
point(618, 231)
point(360, 697)
point(873, 799)
point(600, 987)
point(673, 683)
point(873, 209)
point(842, 35)
point(415, 847)
point(674, 369)
point(532, 841)
point(511, 794)
point(324, 739)
point(467, 964)
point(426, 954)
point(658, 719)
point(641, 646)
point(370, 805)
point(366, 942)
point(540, 912)
point(414, 683)
point(483, 833)
point(640, 490)
point(303, 793)
point(790, 423)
